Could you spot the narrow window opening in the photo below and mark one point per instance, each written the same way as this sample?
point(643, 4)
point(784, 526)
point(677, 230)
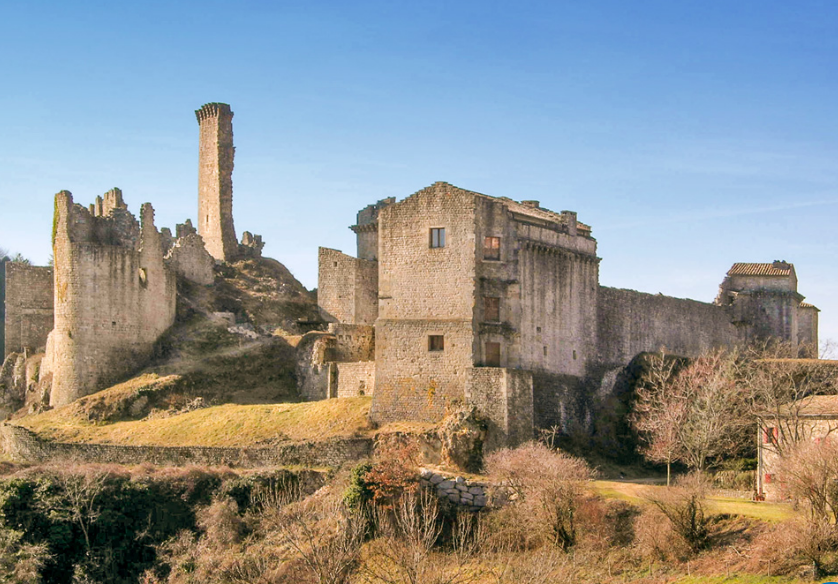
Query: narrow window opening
point(538, 329)
point(574, 354)
point(545, 350)
point(436, 342)
point(437, 237)
point(492, 354)
point(491, 309)
point(491, 248)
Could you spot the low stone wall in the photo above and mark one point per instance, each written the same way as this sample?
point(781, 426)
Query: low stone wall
point(457, 490)
point(23, 445)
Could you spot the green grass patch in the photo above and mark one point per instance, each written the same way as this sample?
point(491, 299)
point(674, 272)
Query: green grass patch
point(633, 492)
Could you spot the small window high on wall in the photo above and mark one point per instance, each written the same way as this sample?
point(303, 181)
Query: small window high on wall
point(437, 237)
point(436, 342)
point(491, 248)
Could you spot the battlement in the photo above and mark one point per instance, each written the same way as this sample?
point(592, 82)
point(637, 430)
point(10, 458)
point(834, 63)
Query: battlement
point(213, 110)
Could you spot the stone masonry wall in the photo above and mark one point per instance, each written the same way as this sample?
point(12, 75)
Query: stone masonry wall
point(189, 258)
point(347, 288)
point(355, 379)
point(20, 444)
point(505, 398)
point(631, 322)
point(424, 291)
point(215, 181)
point(807, 329)
point(114, 297)
point(29, 310)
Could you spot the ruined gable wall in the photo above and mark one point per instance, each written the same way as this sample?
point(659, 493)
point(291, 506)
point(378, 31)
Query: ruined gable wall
point(189, 258)
point(347, 288)
point(336, 277)
point(422, 292)
point(631, 322)
point(29, 311)
point(215, 180)
point(113, 298)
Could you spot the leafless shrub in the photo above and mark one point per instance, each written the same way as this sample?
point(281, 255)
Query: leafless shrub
point(404, 551)
point(783, 548)
point(683, 505)
point(547, 485)
point(809, 474)
point(323, 534)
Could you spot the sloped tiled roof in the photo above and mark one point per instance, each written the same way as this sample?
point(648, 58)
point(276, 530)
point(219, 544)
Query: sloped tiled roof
point(772, 269)
point(807, 305)
point(820, 405)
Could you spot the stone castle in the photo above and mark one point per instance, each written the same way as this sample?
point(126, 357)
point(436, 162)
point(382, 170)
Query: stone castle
point(454, 297)
point(458, 297)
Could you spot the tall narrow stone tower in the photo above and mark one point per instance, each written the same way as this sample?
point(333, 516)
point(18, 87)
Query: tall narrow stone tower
point(215, 181)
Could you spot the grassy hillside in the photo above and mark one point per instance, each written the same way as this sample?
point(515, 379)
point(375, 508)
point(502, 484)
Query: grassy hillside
point(224, 425)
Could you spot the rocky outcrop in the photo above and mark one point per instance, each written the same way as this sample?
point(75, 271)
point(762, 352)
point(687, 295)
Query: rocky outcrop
point(463, 434)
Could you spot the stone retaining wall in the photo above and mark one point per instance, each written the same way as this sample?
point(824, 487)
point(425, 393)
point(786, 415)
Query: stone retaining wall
point(457, 490)
point(23, 445)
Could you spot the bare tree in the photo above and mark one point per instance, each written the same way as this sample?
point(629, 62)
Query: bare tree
point(325, 535)
point(78, 495)
point(697, 414)
point(659, 411)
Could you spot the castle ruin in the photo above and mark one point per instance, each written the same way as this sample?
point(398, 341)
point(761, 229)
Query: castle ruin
point(453, 298)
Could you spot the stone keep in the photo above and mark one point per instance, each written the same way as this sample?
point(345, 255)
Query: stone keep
point(114, 296)
point(215, 181)
point(496, 303)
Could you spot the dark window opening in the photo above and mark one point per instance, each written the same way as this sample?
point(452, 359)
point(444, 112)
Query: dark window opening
point(769, 436)
point(491, 309)
point(438, 237)
point(538, 329)
point(493, 354)
point(436, 342)
point(545, 351)
point(491, 248)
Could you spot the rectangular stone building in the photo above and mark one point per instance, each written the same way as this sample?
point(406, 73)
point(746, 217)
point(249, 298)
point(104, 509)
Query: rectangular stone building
point(28, 307)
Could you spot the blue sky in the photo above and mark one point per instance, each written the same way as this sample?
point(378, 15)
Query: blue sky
point(690, 135)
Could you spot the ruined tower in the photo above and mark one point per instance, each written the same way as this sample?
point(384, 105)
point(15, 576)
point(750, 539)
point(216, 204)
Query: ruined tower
point(215, 181)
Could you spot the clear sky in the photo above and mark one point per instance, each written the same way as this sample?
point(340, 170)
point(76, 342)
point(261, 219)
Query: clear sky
point(690, 135)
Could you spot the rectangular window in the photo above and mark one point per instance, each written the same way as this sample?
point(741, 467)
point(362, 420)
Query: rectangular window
point(491, 309)
point(491, 248)
point(436, 342)
point(769, 436)
point(438, 237)
point(493, 354)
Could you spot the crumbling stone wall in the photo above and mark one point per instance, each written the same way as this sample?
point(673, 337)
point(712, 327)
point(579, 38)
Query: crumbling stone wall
point(347, 288)
point(114, 296)
point(631, 322)
point(28, 305)
point(188, 257)
point(215, 181)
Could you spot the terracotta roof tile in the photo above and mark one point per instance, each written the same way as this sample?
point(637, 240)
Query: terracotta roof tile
point(807, 305)
point(772, 269)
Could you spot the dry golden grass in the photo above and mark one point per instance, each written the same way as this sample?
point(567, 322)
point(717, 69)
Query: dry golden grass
point(225, 425)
